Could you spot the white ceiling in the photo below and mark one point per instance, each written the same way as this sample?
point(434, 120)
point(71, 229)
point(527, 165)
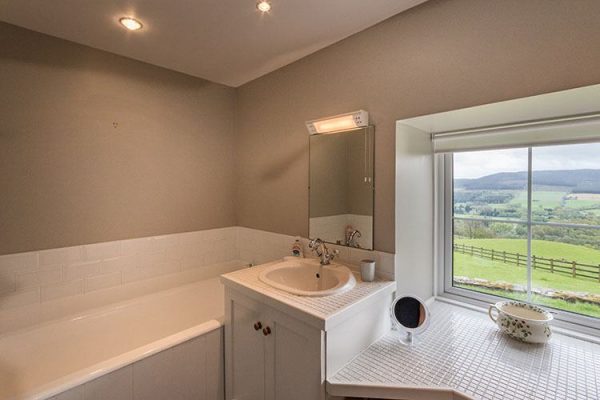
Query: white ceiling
point(225, 41)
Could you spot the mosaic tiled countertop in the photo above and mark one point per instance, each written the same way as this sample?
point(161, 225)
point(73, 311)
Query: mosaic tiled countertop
point(463, 352)
point(323, 310)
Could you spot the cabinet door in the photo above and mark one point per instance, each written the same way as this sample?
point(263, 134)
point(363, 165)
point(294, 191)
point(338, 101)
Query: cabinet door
point(294, 361)
point(245, 349)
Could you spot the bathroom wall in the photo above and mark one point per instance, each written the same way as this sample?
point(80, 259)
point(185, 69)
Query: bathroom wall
point(39, 286)
point(95, 147)
point(441, 55)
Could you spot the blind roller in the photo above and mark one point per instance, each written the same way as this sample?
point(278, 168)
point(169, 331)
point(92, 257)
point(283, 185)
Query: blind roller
point(569, 129)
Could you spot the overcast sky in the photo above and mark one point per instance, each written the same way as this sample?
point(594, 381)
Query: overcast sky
point(482, 163)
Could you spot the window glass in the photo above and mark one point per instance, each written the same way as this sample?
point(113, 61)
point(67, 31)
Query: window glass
point(566, 268)
point(490, 257)
point(491, 222)
point(491, 184)
point(566, 184)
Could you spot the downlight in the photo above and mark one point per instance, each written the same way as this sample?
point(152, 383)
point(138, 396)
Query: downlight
point(263, 6)
point(130, 23)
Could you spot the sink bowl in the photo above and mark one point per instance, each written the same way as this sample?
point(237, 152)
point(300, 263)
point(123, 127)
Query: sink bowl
point(305, 277)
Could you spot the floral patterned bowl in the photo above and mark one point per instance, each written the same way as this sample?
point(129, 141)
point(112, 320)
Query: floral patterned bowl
point(521, 321)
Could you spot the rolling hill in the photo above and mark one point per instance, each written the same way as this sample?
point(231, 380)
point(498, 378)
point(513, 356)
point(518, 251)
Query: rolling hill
point(579, 181)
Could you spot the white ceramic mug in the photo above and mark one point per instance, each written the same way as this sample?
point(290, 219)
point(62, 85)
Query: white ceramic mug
point(367, 270)
point(521, 321)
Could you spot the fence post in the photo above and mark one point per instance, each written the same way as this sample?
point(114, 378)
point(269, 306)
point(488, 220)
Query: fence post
point(504, 256)
point(471, 250)
point(598, 272)
point(492, 254)
point(518, 260)
point(552, 265)
point(574, 269)
point(534, 261)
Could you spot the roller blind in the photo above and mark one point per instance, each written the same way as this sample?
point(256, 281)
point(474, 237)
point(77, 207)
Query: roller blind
point(567, 129)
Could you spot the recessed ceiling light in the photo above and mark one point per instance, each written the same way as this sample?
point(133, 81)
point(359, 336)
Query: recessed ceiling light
point(263, 6)
point(131, 23)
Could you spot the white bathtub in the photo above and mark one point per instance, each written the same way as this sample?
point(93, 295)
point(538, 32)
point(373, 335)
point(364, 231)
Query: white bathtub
point(46, 360)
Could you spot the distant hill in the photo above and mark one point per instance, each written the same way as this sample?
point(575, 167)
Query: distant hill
point(580, 180)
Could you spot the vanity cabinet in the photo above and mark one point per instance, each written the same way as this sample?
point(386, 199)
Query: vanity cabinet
point(270, 355)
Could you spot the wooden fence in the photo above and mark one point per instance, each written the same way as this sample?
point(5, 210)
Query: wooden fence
point(571, 268)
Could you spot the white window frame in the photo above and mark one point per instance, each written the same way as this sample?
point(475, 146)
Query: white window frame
point(444, 252)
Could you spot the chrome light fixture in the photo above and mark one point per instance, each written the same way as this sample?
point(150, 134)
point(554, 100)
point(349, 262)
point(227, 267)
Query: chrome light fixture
point(341, 122)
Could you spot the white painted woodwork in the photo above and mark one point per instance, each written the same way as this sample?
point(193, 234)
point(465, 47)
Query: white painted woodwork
point(310, 338)
point(297, 352)
point(246, 350)
point(358, 332)
point(285, 364)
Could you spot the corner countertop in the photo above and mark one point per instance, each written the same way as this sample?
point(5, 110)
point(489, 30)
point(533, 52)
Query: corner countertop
point(320, 312)
point(464, 355)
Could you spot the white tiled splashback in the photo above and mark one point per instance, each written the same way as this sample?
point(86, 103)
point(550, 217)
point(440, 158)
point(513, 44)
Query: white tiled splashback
point(49, 284)
point(259, 247)
point(333, 227)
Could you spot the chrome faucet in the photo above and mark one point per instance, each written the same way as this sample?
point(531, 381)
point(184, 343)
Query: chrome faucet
point(318, 246)
point(351, 241)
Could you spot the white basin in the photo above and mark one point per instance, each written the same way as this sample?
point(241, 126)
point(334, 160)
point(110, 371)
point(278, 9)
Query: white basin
point(306, 277)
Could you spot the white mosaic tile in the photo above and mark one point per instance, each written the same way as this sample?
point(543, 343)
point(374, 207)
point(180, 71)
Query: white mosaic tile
point(322, 307)
point(465, 351)
point(35, 279)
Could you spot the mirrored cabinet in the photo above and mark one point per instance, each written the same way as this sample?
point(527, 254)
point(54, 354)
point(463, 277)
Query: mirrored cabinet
point(341, 187)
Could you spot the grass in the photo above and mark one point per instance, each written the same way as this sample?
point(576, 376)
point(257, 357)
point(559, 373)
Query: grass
point(477, 267)
point(541, 198)
point(544, 199)
point(541, 248)
point(547, 199)
point(577, 307)
point(583, 204)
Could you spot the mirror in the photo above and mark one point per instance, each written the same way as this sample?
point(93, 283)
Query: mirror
point(341, 187)
point(410, 316)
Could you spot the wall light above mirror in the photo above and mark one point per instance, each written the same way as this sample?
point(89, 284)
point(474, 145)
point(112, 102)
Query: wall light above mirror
point(341, 188)
point(337, 123)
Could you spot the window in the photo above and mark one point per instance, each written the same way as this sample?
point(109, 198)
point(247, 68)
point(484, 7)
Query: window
point(525, 224)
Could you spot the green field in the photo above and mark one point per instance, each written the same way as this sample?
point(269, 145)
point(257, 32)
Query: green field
point(580, 308)
point(542, 201)
point(582, 204)
point(478, 267)
point(541, 248)
point(550, 199)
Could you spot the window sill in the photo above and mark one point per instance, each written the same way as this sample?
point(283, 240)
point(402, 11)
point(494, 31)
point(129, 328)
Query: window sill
point(586, 333)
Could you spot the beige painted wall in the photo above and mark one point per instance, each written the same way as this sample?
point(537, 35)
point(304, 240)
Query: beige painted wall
point(439, 56)
point(68, 176)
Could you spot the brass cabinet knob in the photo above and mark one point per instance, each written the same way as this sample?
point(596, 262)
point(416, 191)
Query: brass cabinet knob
point(257, 325)
point(266, 331)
